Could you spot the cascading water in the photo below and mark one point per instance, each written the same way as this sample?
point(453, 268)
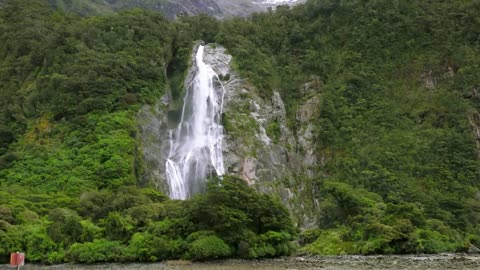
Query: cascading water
point(196, 144)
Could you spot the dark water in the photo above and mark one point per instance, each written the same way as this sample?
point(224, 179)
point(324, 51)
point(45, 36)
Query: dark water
point(434, 262)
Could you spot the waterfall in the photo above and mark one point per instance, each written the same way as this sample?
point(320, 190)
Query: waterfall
point(196, 144)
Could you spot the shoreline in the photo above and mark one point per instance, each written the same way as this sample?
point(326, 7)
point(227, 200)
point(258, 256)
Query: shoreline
point(357, 262)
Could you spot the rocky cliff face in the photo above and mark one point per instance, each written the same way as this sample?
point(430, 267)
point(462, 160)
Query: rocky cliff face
point(475, 122)
point(173, 8)
point(259, 146)
point(154, 136)
point(474, 118)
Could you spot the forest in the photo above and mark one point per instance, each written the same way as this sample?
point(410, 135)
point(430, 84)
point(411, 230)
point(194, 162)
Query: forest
point(400, 91)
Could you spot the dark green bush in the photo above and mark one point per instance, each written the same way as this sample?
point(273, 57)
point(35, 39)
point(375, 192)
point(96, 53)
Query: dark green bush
point(100, 250)
point(208, 248)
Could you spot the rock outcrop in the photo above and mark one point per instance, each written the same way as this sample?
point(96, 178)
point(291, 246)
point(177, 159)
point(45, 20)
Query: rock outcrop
point(259, 146)
point(174, 8)
point(154, 142)
point(474, 119)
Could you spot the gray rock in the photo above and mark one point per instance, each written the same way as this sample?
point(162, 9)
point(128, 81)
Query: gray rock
point(249, 170)
point(309, 110)
point(473, 250)
point(313, 86)
point(429, 80)
point(475, 94)
point(278, 107)
point(154, 144)
point(474, 119)
point(173, 8)
point(271, 166)
point(475, 122)
point(216, 57)
point(284, 166)
point(254, 107)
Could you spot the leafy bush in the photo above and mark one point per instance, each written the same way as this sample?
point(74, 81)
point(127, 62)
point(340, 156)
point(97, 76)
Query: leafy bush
point(208, 248)
point(65, 227)
point(100, 250)
point(142, 247)
point(56, 257)
point(399, 170)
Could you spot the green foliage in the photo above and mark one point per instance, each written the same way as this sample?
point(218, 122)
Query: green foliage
point(69, 119)
point(273, 131)
point(142, 247)
point(100, 250)
point(56, 257)
point(245, 220)
point(65, 227)
point(399, 170)
point(393, 127)
point(140, 225)
point(118, 227)
point(208, 248)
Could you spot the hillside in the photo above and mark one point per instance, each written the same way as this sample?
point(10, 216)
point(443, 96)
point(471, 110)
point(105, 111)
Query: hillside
point(399, 166)
point(171, 8)
point(393, 136)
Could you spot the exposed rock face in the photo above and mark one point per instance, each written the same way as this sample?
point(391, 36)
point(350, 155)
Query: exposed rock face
point(154, 138)
point(155, 131)
point(187, 7)
point(429, 80)
point(474, 116)
point(309, 110)
point(248, 170)
point(258, 146)
point(475, 123)
point(173, 8)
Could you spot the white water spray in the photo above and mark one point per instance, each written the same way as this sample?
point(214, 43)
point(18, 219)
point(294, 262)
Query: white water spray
point(196, 144)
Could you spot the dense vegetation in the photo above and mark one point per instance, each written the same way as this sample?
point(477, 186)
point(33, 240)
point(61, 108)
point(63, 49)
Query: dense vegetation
point(400, 173)
point(133, 224)
point(398, 86)
point(69, 161)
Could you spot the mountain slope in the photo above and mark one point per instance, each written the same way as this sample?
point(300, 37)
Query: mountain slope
point(392, 136)
point(171, 8)
point(397, 162)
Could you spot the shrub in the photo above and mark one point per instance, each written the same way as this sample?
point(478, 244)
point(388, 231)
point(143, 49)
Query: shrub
point(207, 248)
point(100, 250)
point(56, 257)
point(142, 248)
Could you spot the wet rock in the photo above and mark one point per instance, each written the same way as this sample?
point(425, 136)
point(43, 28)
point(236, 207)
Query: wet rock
point(153, 125)
point(279, 165)
point(271, 164)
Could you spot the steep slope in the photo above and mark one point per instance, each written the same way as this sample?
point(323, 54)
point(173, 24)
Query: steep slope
point(361, 116)
point(393, 130)
point(71, 170)
point(173, 8)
